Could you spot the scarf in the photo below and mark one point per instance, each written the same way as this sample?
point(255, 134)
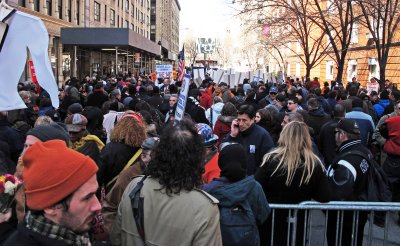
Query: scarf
point(78, 144)
point(39, 224)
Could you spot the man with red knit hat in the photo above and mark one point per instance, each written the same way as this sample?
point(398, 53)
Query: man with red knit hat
point(60, 186)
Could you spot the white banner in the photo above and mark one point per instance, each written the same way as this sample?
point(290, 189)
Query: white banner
point(181, 104)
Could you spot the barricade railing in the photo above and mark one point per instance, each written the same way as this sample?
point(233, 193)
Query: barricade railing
point(339, 210)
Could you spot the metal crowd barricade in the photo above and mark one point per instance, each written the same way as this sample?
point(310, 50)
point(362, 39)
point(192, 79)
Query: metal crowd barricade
point(324, 208)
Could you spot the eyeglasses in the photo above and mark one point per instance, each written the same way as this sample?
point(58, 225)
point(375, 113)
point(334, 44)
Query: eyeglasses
point(290, 103)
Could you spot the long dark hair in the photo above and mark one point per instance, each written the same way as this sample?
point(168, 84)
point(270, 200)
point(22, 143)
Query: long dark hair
point(178, 159)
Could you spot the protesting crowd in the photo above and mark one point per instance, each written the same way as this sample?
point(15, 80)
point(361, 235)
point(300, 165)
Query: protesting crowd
point(112, 166)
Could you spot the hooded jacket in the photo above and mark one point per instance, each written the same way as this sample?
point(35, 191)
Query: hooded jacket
point(216, 111)
point(392, 145)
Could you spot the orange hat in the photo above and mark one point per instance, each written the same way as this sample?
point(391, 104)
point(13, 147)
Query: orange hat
point(52, 172)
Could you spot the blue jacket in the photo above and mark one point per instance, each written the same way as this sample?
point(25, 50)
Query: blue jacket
point(380, 107)
point(257, 142)
point(364, 122)
point(248, 189)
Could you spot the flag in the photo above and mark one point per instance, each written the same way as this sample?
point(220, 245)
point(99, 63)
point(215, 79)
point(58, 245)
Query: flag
point(181, 65)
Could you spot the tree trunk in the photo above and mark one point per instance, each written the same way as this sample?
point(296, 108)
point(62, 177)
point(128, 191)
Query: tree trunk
point(382, 75)
point(339, 75)
point(308, 71)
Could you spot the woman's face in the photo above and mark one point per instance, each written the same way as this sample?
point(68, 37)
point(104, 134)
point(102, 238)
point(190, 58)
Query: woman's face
point(258, 117)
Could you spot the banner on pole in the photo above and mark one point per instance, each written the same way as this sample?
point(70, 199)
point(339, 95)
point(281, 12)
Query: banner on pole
point(181, 104)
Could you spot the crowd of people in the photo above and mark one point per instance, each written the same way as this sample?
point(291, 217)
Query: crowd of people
point(112, 166)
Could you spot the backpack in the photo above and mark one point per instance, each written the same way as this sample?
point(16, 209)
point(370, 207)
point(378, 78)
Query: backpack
point(238, 223)
point(378, 189)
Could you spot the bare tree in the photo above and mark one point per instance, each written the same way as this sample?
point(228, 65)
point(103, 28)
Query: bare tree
point(336, 18)
point(382, 18)
point(289, 22)
point(191, 50)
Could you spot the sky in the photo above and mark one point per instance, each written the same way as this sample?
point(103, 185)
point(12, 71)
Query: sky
point(205, 18)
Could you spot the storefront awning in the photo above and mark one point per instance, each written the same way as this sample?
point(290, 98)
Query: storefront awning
point(108, 37)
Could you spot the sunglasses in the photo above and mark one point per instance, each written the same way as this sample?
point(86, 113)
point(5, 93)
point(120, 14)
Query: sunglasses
point(290, 103)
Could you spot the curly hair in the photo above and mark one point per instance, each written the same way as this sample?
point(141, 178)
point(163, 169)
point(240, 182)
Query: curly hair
point(178, 159)
point(129, 131)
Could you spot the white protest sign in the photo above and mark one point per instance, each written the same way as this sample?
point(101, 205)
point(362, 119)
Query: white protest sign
point(280, 77)
point(218, 76)
point(198, 73)
point(238, 79)
point(164, 71)
point(181, 104)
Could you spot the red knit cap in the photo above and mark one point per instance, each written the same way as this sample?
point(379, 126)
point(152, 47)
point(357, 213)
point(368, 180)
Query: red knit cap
point(52, 172)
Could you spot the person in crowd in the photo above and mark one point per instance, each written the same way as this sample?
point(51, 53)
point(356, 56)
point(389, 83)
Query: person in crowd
point(125, 141)
point(94, 124)
point(364, 121)
point(113, 197)
point(10, 136)
point(371, 110)
point(98, 97)
point(115, 96)
point(62, 203)
point(223, 124)
point(233, 187)
point(394, 98)
point(348, 179)
point(316, 116)
point(327, 142)
point(293, 105)
point(110, 119)
point(302, 97)
point(169, 190)
point(291, 173)
point(348, 102)
point(267, 118)
point(214, 111)
point(164, 89)
point(194, 109)
point(353, 83)
point(373, 85)
point(382, 103)
point(269, 99)
point(255, 139)
point(81, 140)
point(211, 169)
point(279, 104)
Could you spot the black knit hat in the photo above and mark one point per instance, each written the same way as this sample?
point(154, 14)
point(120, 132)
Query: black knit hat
point(349, 126)
point(48, 132)
point(232, 161)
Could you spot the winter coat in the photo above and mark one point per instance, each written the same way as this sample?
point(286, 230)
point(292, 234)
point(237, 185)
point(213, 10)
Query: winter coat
point(365, 124)
point(211, 168)
point(348, 176)
point(196, 112)
point(316, 119)
point(247, 189)
point(13, 138)
point(113, 158)
point(187, 218)
point(392, 145)
point(216, 111)
point(257, 142)
point(278, 192)
point(327, 142)
point(205, 100)
point(380, 107)
point(96, 99)
point(25, 237)
point(222, 127)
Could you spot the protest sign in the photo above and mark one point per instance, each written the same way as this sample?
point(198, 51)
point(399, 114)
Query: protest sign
point(164, 71)
point(181, 104)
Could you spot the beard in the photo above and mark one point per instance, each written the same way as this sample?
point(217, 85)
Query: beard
point(75, 223)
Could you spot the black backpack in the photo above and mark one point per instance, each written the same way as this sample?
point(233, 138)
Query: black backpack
point(378, 189)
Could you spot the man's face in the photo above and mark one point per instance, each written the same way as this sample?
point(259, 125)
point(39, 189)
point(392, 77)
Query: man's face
point(292, 106)
point(258, 117)
point(244, 122)
point(339, 136)
point(29, 141)
point(166, 82)
point(272, 95)
point(76, 136)
point(83, 207)
point(172, 101)
point(285, 121)
point(300, 97)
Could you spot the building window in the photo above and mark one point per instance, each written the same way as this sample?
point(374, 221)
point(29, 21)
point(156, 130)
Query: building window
point(329, 70)
point(127, 6)
point(96, 11)
point(132, 27)
point(133, 10)
point(59, 8)
point(351, 70)
point(36, 5)
point(21, 3)
point(354, 34)
point(298, 69)
point(105, 13)
point(112, 18)
point(69, 10)
point(126, 24)
point(78, 11)
point(117, 20)
point(49, 7)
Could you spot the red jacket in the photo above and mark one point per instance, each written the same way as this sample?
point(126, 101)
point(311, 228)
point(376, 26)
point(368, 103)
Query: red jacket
point(392, 145)
point(211, 169)
point(222, 127)
point(205, 100)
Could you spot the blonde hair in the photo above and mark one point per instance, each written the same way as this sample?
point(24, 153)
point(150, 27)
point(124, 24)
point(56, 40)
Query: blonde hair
point(294, 151)
point(43, 120)
point(129, 130)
